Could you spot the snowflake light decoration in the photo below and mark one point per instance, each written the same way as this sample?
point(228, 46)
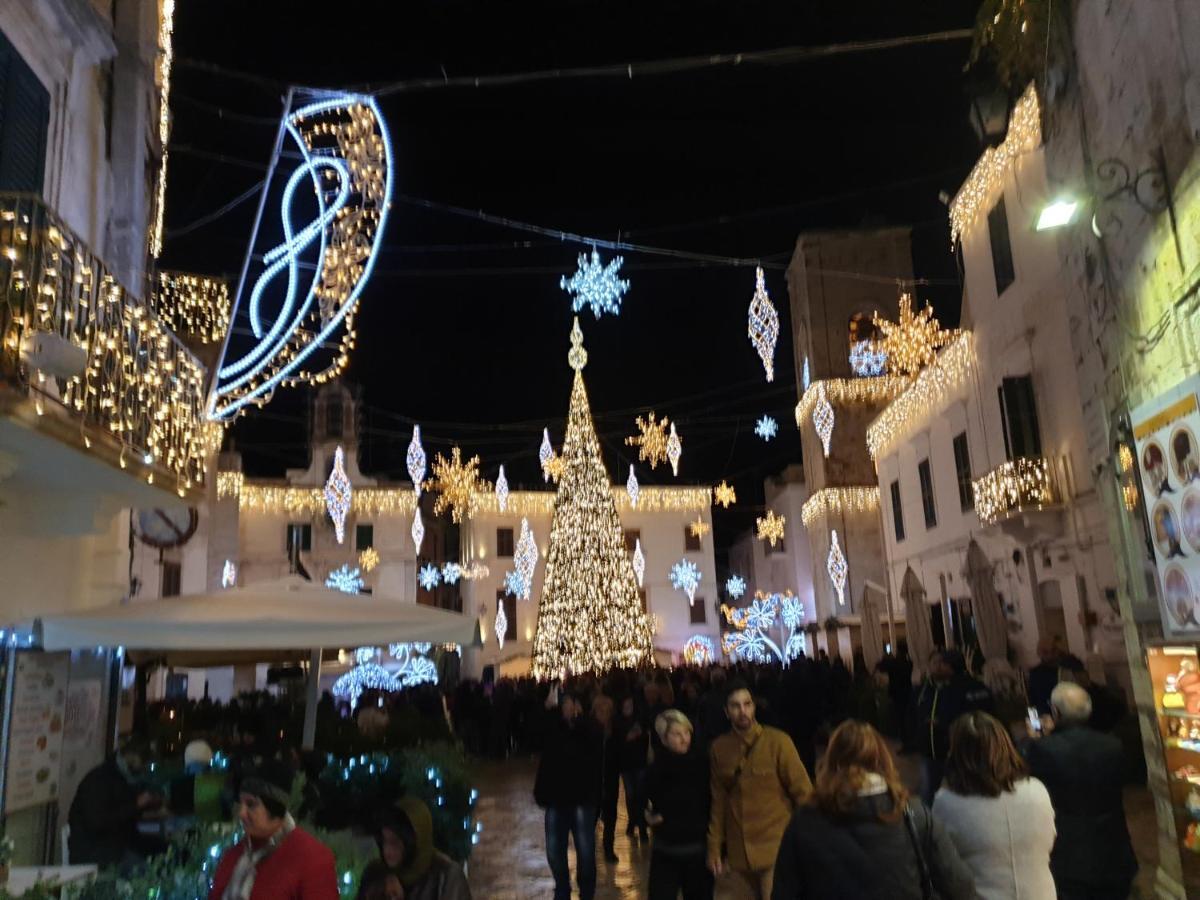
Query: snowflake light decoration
point(501, 623)
point(766, 428)
point(451, 572)
point(793, 610)
point(416, 460)
point(429, 576)
point(770, 528)
point(631, 486)
point(764, 324)
point(725, 495)
point(229, 574)
point(338, 495)
point(514, 584)
point(867, 360)
point(545, 453)
point(418, 530)
point(414, 665)
point(458, 485)
point(674, 450)
point(502, 490)
point(345, 579)
point(639, 562)
point(751, 639)
point(525, 558)
point(368, 559)
point(699, 650)
point(823, 419)
point(685, 576)
point(651, 440)
point(699, 528)
point(596, 285)
point(912, 341)
point(556, 467)
point(368, 675)
point(835, 565)
point(735, 586)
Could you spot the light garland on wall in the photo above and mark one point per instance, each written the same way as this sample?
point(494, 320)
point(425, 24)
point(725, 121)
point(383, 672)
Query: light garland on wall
point(850, 391)
point(699, 528)
point(750, 639)
point(368, 559)
point(685, 576)
point(735, 586)
point(275, 500)
point(632, 488)
point(193, 306)
point(166, 57)
point(229, 484)
point(835, 565)
point(1014, 487)
point(867, 360)
point(923, 398)
point(766, 428)
point(345, 579)
point(823, 419)
point(545, 454)
point(763, 324)
point(838, 501)
point(416, 461)
point(650, 499)
point(770, 528)
point(912, 341)
point(674, 449)
point(986, 181)
point(338, 495)
point(418, 530)
point(502, 490)
point(651, 440)
point(525, 558)
point(429, 576)
point(457, 484)
point(699, 650)
point(596, 285)
point(639, 562)
point(725, 495)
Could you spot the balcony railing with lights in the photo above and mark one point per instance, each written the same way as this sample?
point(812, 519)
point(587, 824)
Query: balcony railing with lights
point(88, 352)
point(1012, 488)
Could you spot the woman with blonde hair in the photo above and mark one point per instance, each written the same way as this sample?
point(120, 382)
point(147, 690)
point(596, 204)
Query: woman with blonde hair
point(1000, 819)
point(677, 807)
point(861, 836)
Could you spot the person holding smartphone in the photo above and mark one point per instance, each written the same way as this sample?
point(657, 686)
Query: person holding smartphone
point(677, 808)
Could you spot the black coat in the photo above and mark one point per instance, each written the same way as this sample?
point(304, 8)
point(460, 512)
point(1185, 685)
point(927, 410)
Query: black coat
point(1082, 769)
point(103, 817)
point(938, 705)
point(678, 788)
point(632, 753)
point(861, 858)
point(570, 770)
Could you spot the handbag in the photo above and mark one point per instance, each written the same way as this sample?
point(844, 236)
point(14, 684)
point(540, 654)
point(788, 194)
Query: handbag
point(910, 826)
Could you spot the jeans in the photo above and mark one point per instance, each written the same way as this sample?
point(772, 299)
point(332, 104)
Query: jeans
point(635, 801)
point(580, 823)
point(670, 874)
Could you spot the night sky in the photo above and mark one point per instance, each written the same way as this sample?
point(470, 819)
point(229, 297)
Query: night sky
point(464, 327)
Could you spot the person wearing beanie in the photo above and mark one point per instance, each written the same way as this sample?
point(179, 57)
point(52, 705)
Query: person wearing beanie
point(407, 857)
point(276, 860)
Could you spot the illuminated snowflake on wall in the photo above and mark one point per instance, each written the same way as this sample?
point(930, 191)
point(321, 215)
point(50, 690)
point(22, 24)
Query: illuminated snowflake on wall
point(735, 586)
point(751, 639)
point(639, 562)
point(764, 324)
point(699, 650)
point(685, 576)
point(429, 576)
point(651, 440)
point(823, 419)
point(338, 495)
point(725, 495)
point(631, 486)
point(766, 428)
point(835, 565)
point(674, 449)
point(596, 285)
point(416, 460)
point(867, 360)
point(345, 579)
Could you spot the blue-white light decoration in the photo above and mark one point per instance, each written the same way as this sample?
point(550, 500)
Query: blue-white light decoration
point(501, 627)
point(414, 666)
point(546, 453)
point(502, 490)
point(345, 579)
point(345, 159)
point(764, 324)
point(514, 584)
point(766, 428)
point(735, 586)
point(685, 576)
point(429, 576)
point(806, 378)
point(639, 562)
point(635, 491)
point(367, 675)
point(451, 572)
point(751, 640)
point(418, 530)
point(867, 359)
point(699, 650)
point(525, 559)
point(416, 461)
point(596, 285)
point(338, 495)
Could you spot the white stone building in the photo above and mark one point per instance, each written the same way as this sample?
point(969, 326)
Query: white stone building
point(786, 566)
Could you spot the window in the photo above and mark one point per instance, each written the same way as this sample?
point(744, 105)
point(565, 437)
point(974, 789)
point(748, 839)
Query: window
point(690, 541)
point(1018, 410)
point(171, 575)
point(897, 512)
point(510, 613)
point(1002, 260)
point(364, 536)
point(299, 537)
point(699, 611)
point(777, 548)
point(645, 602)
point(927, 504)
point(962, 470)
point(504, 542)
point(24, 124)
point(333, 417)
point(632, 536)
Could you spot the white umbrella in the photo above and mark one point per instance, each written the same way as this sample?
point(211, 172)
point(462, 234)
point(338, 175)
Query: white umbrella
point(916, 621)
point(872, 634)
point(990, 625)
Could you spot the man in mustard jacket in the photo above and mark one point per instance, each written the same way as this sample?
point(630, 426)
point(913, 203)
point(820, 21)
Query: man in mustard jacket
point(757, 780)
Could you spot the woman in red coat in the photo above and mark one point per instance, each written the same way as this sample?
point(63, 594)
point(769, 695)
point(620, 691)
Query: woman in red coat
point(276, 860)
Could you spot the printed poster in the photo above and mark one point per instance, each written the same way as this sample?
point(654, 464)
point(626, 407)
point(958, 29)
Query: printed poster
point(35, 734)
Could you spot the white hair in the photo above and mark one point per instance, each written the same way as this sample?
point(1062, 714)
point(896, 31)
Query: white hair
point(671, 718)
point(1071, 703)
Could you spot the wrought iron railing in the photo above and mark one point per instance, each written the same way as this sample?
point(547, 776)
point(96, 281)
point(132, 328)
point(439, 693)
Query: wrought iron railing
point(1023, 485)
point(85, 348)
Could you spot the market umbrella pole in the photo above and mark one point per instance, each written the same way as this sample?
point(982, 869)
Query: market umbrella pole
point(309, 738)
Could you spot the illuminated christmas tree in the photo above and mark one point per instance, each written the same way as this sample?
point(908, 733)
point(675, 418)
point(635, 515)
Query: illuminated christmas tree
point(590, 617)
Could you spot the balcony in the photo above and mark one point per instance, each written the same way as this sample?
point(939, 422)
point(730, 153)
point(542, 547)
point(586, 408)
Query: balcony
point(1020, 498)
point(92, 379)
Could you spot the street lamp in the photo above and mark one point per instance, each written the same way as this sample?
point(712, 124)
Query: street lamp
point(1058, 212)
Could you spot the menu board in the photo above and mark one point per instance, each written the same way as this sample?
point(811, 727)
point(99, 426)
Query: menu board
point(35, 734)
point(1166, 434)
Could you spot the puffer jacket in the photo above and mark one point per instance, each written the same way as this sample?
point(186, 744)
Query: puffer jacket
point(677, 788)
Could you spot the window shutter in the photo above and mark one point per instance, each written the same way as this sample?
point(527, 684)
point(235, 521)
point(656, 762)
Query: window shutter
point(24, 124)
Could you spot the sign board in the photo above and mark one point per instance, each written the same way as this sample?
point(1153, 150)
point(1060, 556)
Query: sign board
point(35, 737)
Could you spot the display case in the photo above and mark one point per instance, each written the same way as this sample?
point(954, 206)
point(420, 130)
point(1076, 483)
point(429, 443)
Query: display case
point(1175, 675)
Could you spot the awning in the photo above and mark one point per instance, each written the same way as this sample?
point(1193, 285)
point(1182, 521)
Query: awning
point(275, 615)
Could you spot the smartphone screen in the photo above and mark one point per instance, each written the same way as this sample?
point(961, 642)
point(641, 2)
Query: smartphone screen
point(1035, 721)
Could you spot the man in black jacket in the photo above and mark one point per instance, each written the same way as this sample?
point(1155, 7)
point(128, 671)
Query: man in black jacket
point(568, 788)
point(949, 692)
point(105, 812)
point(1082, 769)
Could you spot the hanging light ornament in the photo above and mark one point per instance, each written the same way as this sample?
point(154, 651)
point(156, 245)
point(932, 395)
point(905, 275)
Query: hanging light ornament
point(770, 529)
point(835, 565)
point(338, 495)
point(823, 418)
point(229, 574)
point(546, 453)
point(345, 579)
point(631, 485)
point(429, 576)
point(699, 528)
point(458, 485)
point(651, 440)
point(416, 460)
point(639, 562)
point(501, 622)
point(674, 450)
point(764, 325)
point(525, 558)
point(735, 586)
point(418, 530)
point(806, 378)
point(451, 572)
point(766, 428)
point(725, 495)
point(596, 285)
point(368, 559)
point(685, 576)
point(867, 360)
point(911, 342)
point(502, 490)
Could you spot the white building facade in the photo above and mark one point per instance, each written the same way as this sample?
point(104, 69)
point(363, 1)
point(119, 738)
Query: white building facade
point(786, 566)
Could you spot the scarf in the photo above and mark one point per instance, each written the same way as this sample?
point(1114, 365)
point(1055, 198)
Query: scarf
point(241, 882)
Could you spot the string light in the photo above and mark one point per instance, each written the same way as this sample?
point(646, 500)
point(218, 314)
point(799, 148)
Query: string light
point(475, 570)
point(590, 616)
point(346, 152)
point(596, 285)
point(823, 419)
point(502, 490)
point(1012, 487)
point(416, 460)
point(911, 342)
point(911, 410)
point(725, 495)
point(457, 484)
point(345, 579)
point(764, 324)
point(338, 495)
point(639, 562)
point(651, 440)
point(674, 450)
point(838, 501)
point(850, 392)
point(632, 488)
point(272, 499)
point(229, 484)
point(867, 360)
point(770, 528)
point(699, 528)
point(987, 179)
point(766, 428)
point(685, 576)
point(699, 650)
point(418, 530)
point(525, 558)
point(166, 56)
point(735, 586)
point(368, 559)
point(835, 565)
point(192, 305)
point(429, 576)
point(545, 454)
point(229, 574)
point(501, 623)
point(451, 572)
